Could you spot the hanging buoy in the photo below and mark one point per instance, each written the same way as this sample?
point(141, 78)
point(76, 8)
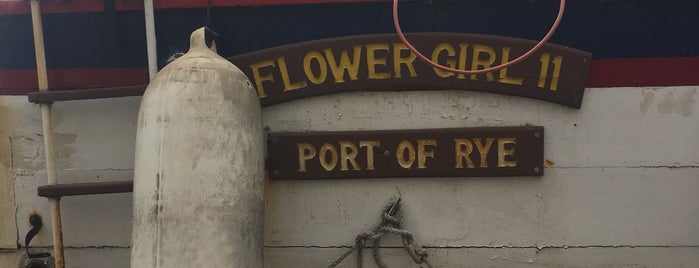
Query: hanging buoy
point(199, 165)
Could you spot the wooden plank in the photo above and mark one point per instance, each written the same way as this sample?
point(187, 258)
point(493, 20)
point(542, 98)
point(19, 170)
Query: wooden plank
point(72, 189)
point(85, 94)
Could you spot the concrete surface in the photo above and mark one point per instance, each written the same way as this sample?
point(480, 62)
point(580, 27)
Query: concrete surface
point(8, 224)
point(620, 190)
point(9, 259)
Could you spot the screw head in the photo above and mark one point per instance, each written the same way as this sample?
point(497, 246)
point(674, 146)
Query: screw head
point(386, 153)
point(537, 135)
point(537, 169)
point(276, 172)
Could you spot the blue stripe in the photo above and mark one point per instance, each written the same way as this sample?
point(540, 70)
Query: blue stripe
point(608, 29)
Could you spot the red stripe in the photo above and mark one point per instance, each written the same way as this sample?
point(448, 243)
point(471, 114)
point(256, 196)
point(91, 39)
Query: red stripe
point(640, 72)
point(634, 72)
point(20, 82)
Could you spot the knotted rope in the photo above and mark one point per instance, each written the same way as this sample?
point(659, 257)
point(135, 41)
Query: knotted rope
point(390, 224)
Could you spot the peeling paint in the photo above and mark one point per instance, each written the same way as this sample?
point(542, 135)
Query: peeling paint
point(30, 150)
point(63, 147)
point(29, 154)
point(648, 96)
point(571, 187)
point(682, 104)
point(6, 119)
point(549, 163)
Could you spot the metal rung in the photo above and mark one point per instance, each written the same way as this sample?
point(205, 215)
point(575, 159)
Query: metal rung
point(85, 94)
point(60, 190)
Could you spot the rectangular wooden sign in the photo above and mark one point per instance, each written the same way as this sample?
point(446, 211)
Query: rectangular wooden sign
point(456, 152)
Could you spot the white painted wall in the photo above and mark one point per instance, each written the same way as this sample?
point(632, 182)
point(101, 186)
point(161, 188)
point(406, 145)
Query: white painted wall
point(623, 189)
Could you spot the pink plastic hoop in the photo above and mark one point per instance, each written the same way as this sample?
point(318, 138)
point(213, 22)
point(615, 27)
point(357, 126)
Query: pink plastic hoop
point(543, 41)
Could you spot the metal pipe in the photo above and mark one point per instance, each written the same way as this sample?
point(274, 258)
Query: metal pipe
point(47, 131)
point(150, 38)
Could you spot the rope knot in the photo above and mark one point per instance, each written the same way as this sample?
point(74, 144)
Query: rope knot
point(390, 220)
point(390, 224)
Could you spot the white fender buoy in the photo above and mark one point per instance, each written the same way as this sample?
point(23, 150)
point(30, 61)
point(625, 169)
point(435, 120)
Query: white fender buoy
point(199, 166)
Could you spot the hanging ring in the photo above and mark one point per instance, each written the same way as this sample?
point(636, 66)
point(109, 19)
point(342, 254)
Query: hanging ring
point(538, 45)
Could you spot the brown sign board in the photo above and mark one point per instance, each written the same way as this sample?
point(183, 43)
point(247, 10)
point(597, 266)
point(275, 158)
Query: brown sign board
point(381, 62)
point(455, 152)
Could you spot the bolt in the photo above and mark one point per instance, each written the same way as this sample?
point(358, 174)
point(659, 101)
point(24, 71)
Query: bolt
point(386, 153)
point(537, 135)
point(536, 169)
point(35, 221)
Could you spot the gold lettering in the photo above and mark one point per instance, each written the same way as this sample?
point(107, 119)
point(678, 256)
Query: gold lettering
point(348, 156)
point(398, 48)
point(461, 154)
point(328, 166)
point(503, 153)
point(422, 154)
point(322, 66)
point(338, 69)
point(556, 72)
point(485, 63)
point(503, 72)
point(369, 152)
point(450, 62)
point(462, 59)
point(306, 152)
point(372, 61)
point(288, 85)
point(544, 71)
point(483, 150)
point(259, 78)
point(400, 154)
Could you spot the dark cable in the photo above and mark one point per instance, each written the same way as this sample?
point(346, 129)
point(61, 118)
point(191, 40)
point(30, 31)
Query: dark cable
point(209, 35)
point(208, 13)
point(36, 223)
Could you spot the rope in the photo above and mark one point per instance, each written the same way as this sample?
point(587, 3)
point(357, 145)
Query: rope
point(390, 225)
point(541, 43)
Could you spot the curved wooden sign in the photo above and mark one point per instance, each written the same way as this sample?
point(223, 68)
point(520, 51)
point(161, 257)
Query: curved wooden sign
point(381, 62)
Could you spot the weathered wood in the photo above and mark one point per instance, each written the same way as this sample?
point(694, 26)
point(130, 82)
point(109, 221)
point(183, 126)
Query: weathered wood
point(61, 190)
point(85, 94)
point(380, 62)
point(452, 152)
